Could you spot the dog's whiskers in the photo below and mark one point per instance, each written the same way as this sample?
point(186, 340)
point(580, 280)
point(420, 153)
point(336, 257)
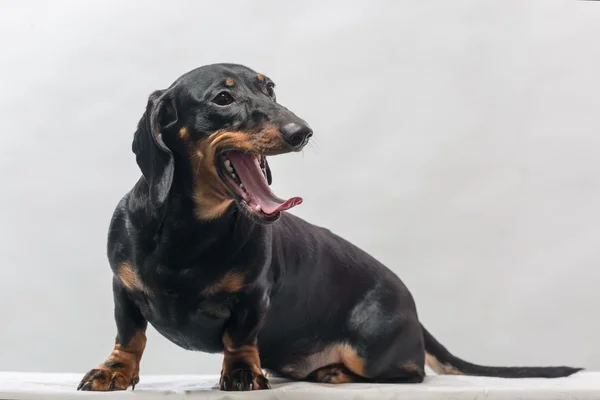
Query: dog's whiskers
point(314, 145)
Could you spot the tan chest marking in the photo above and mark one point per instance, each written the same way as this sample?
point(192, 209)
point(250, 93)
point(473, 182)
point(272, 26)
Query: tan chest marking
point(231, 282)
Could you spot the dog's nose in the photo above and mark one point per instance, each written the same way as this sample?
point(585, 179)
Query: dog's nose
point(296, 135)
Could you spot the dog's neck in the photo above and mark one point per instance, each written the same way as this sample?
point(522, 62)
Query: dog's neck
point(176, 224)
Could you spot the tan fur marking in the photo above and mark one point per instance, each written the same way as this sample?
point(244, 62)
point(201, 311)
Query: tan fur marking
point(413, 367)
point(260, 77)
point(352, 360)
point(129, 277)
point(440, 368)
point(231, 282)
point(334, 374)
point(245, 354)
point(130, 353)
point(183, 133)
point(122, 367)
point(211, 196)
point(229, 82)
point(129, 356)
point(333, 354)
point(270, 374)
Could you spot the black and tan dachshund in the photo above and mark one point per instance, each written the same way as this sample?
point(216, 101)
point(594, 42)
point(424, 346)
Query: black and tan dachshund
point(204, 251)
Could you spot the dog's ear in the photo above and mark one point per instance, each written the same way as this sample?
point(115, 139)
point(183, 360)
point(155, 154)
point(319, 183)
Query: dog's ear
point(154, 158)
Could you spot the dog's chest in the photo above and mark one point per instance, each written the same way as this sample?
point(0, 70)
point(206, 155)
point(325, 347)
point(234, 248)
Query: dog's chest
point(178, 307)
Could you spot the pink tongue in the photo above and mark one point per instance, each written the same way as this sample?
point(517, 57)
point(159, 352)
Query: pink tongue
point(255, 183)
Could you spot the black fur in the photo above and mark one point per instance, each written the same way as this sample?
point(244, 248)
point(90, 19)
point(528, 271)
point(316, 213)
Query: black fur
point(305, 290)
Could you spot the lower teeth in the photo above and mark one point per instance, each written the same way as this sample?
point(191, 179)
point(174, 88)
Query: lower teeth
point(230, 170)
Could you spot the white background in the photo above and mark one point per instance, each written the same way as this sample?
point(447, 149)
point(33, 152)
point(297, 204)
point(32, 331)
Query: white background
point(456, 141)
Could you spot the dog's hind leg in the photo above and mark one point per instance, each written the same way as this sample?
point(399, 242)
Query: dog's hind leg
point(397, 354)
point(391, 356)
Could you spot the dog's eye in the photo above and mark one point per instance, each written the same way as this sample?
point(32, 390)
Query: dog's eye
point(223, 99)
point(271, 90)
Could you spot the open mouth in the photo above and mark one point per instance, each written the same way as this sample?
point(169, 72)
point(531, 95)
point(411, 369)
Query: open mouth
point(246, 174)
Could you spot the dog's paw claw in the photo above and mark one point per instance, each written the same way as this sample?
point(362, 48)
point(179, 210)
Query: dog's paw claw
point(84, 386)
point(111, 385)
point(243, 379)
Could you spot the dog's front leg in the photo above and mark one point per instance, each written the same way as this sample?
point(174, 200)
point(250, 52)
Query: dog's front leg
point(121, 369)
point(241, 363)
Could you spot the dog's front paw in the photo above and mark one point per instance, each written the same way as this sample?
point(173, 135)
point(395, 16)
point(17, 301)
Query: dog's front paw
point(108, 379)
point(243, 379)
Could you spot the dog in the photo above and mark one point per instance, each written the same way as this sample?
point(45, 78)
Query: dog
point(205, 252)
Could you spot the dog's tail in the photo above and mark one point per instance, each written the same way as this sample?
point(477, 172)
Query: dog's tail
point(444, 363)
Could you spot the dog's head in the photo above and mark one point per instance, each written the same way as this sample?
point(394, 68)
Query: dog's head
point(216, 125)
